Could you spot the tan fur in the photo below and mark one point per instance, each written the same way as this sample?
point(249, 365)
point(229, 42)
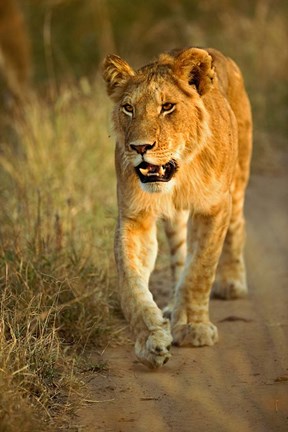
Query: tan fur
point(189, 108)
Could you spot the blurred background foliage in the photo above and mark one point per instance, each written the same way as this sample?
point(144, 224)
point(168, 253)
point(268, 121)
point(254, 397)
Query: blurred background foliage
point(69, 39)
point(57, 180)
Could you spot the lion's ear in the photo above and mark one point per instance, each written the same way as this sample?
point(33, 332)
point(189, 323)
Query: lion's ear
point(116, 73)
point(195, 66)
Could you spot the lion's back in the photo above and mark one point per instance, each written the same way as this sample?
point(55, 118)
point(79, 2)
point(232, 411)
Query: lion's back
point(231, 84)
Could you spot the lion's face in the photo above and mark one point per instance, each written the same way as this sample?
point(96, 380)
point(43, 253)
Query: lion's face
point(159, 117)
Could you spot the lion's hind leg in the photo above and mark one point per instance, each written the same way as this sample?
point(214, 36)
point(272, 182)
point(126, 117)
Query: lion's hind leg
point(230, 282)
point(176, 233)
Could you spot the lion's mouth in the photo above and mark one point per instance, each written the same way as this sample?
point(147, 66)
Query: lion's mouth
point(148, 173)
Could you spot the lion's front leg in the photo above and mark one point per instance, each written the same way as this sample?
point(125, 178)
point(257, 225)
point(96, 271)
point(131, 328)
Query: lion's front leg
point(190, 319)
point(135, 251)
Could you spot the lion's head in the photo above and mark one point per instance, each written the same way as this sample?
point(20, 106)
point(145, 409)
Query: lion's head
point(159, 116)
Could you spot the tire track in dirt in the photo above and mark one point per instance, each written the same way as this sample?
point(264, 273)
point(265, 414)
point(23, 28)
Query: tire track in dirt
point(239, 384)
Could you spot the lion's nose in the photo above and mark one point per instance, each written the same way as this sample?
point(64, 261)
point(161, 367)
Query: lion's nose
point(141, 148)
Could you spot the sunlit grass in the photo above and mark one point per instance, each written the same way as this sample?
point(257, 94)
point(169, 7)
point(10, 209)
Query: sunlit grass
point(57, 193)
point(57, 276)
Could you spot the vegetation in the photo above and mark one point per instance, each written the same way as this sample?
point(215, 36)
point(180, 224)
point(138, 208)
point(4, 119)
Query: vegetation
point(56, 233)
point(57, 181)
point(252, 32)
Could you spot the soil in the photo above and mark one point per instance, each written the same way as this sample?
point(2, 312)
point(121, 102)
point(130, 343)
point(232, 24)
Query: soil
point(240, 384)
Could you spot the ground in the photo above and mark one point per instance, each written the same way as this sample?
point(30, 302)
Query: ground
point(240, 384)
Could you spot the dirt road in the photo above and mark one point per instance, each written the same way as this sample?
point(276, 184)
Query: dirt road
point(240, 384)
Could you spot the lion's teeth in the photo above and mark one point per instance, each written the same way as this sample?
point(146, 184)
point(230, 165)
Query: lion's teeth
point(157, 171)
point(144, 171)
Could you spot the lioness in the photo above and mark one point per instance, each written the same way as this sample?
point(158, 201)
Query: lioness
point(183, 126)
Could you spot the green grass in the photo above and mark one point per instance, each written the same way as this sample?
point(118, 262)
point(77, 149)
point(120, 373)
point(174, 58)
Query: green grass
point(57, 277)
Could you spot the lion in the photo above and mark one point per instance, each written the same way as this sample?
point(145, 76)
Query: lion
point(183, 131)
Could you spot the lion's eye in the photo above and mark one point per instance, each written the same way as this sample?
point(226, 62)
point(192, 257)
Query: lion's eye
point(168, 107)
point(128, 109)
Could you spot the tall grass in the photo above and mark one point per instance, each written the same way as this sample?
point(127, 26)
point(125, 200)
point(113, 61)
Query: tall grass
point(57, 184)
point(56, 231)
point(254, 33)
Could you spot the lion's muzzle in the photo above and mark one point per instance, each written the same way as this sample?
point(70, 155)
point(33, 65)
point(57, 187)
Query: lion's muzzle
point(149, 173)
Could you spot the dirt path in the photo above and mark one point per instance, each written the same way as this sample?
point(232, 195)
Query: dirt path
point(238, 385)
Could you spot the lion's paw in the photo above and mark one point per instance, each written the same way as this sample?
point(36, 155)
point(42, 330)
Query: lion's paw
point(154, 350)
point(195, 334)
point(229, 289)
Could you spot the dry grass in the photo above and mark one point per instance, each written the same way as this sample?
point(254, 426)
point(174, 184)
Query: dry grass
point(56, 230)
point(57, 196)
point(254, 33)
